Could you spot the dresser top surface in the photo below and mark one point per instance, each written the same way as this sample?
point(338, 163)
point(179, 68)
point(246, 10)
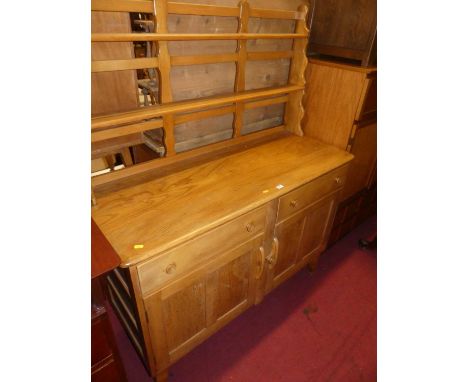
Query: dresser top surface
point(145, 219)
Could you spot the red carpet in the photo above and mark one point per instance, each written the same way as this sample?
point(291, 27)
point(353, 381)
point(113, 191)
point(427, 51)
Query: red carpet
point(313, 328)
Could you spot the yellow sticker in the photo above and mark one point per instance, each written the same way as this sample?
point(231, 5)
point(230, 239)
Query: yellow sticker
point(138, 246)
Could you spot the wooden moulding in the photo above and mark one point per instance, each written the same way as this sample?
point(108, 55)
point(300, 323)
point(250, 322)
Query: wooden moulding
point(165, 90)
point(239, 85)
point(118, 131)
point(180, 8)
point(186, 106)
point(203, 59)
point(130, 64)
point(294, 108)
point(153, 62)
point(129, 37)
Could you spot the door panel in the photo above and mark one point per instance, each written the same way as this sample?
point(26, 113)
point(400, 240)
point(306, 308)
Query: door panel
point(229, 285)
point(288, 234)
point(300, 238)
point(195, 306)
point(188, 305)
point(315, 232)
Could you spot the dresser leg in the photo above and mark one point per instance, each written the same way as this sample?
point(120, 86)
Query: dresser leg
point(312, 264)
point(162, 376)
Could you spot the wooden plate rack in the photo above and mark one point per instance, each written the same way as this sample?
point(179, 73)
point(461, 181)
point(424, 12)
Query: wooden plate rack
point(167, 113)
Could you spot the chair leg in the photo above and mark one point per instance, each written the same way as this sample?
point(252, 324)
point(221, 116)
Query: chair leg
point(162, 376)
point(127, 157)
point(110, 159)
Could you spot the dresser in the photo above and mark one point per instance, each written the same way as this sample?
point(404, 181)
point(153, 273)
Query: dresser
point(203, 233)
point(200, 246)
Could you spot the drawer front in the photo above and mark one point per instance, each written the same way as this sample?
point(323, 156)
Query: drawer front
point(158, 271)
point(311, 192)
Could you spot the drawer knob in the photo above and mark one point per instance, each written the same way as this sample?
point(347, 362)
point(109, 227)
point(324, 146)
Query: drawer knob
point(249, 227)
point(293, 203)
point(171, 268)
point(338, 180)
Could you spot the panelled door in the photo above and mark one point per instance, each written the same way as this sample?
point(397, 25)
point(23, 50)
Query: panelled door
point(299, 239)
point(187, 311)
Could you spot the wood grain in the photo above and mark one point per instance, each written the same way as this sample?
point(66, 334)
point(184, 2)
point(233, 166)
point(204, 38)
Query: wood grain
point(332, 98)
point(112, 92)
point(127, 218)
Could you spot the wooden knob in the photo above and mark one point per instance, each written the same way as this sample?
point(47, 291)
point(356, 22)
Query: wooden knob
point(249, 227)
point(338, 180)
point(293, 203)
point(171, 268)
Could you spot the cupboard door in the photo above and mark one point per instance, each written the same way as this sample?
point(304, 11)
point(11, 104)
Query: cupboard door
point(288, 233)
point(317, 227)
point(300, 239)
point(184, 313)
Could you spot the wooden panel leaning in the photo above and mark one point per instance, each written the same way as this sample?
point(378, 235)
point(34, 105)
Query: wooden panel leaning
point(168, 113)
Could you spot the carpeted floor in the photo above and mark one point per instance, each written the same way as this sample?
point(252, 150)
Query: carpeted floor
point(312, 328)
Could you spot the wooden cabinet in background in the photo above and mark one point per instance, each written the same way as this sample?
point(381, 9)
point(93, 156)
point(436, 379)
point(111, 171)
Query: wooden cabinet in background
point(341, 110)
point(364, 149)
point(345, 29)
point(106, 364)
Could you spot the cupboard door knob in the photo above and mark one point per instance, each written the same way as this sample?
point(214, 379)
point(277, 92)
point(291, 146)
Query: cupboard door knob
point(249, 227)
point(293, 203)
point(171, 268)
point(338, 180)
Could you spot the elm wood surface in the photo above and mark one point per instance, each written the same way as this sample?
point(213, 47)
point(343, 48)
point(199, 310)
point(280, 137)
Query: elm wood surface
point(159, 214)
point(344, 28)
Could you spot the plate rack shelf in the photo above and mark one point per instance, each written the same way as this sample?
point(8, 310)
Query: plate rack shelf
point(168, 113)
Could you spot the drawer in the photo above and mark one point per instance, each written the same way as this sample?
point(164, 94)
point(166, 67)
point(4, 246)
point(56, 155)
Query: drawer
point(309, 193)
point(168, 266)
